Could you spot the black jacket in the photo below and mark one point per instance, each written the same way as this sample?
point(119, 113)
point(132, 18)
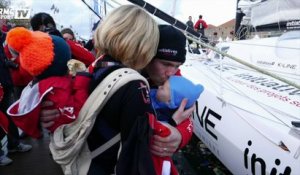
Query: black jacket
point(126, 113)
point(5, 78)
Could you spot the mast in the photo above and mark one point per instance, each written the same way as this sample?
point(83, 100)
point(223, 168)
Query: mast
point(160, 14)
point(91, 9)
point(166, 17)
point(173, 8)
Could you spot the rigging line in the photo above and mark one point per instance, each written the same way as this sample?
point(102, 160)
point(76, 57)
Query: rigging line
point(210, 80)
point(220, 74)
point(118, 3)
point(253, 100)
point(290, 76)
point(246, 64)
point(278, 17)
point(182, 26)
point(278, 72)
point(110, 5)
point(281, 47)
point(260, 103)
point(256, 114)
point(92, 9)
point(233, 89)
point(275, 142)
point(249, 69)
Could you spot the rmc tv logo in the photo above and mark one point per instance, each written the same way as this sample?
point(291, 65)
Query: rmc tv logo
point(9, 13)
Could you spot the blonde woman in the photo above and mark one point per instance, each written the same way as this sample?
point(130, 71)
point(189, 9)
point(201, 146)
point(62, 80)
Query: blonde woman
point(128, 37)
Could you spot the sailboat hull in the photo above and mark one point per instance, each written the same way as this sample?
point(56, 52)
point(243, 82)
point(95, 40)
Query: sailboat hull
point(246, 123)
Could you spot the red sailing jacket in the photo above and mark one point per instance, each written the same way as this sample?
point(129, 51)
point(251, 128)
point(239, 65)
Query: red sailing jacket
point(80, 53)
point(20, 77)
point(161, 163)
point(67, 94)
point(202, 26)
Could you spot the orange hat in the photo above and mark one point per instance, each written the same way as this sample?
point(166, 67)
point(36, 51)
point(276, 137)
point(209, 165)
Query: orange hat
point(40, 53)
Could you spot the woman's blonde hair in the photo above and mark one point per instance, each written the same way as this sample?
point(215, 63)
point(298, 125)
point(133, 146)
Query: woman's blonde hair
point(128, 34)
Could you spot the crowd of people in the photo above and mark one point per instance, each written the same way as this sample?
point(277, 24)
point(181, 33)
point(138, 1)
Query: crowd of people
point(56, 100)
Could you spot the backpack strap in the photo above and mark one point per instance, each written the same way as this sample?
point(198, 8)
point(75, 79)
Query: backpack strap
point(106, 145)
point(68, 141)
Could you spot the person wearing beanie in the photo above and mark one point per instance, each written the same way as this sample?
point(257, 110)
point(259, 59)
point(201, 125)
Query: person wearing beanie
point(165, 100)
point(173, 50)
point(171, 53)
point(45, 57)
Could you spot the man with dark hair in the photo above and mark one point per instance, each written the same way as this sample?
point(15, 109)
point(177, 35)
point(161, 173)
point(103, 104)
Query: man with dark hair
point(45, 23)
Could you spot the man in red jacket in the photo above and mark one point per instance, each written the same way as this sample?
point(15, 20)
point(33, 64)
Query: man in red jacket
point(200, 25)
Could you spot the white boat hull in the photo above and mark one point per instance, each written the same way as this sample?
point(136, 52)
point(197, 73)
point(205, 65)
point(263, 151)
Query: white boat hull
point(246, 124)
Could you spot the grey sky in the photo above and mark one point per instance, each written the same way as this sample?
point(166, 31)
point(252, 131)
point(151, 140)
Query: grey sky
point(74, 13)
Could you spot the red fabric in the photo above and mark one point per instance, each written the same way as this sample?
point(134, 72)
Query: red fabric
point(4, 123)
point(4, 28)
point(29, 122)
point(1, 92)
point(186, 130)
point(92, 66)
point(68, 97)
point(204, 25)
point(67, 94)
point(20, 76)
point(178, 73)
point(80, 53)
point(163, 131)
point(7, 52)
